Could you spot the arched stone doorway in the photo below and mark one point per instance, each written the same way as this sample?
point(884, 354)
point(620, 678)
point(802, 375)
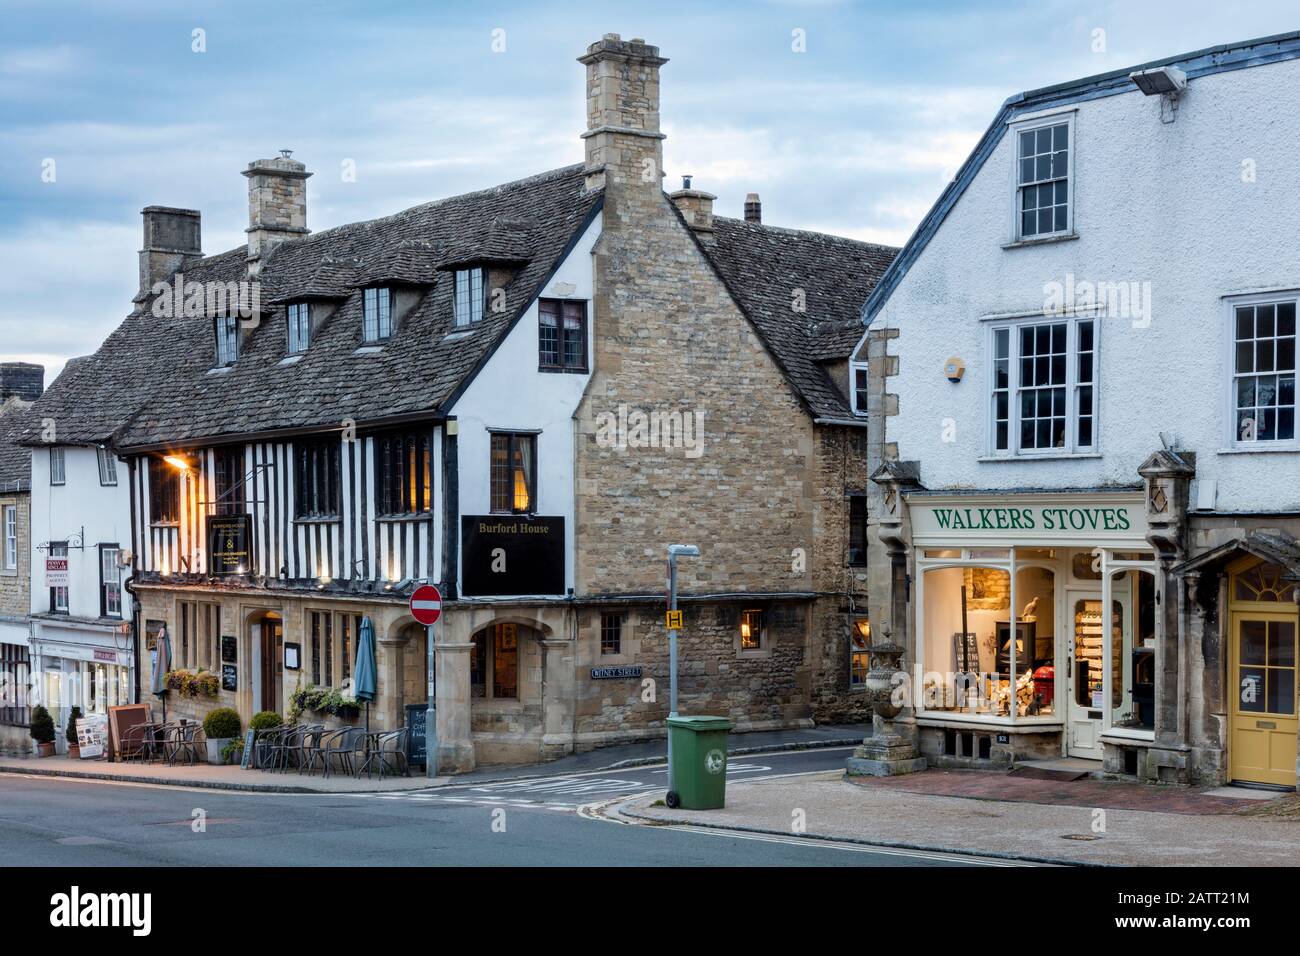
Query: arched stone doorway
point(507, 666)
point(265, 655)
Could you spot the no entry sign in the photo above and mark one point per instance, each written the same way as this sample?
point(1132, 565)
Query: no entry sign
point(426, 604)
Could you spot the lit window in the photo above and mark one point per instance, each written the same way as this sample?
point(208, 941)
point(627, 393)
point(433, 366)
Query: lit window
point(858, 384)
point(1043, 181)
point(513, 470)
point(377, 324)
point(300, 326)
point(751, 630)
point(611, 633)
point(1264, 372)
point(107, 466)
point(494, 663)
point(402, 482)
point(469, 296)
point(58, 467)
point(859, 653)
point(1043, 397)
point(227, 331)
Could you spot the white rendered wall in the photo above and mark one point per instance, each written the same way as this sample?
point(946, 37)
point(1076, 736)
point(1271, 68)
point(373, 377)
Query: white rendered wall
point(1164, 203)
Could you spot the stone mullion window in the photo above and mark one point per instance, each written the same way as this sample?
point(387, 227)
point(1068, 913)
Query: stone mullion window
point(317, 480)
point(377, 318)
point(403, 481)
point(513, 473)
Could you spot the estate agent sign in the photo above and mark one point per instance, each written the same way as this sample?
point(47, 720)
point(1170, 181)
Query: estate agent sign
point(512, 554)
point(229, 540)
point(56, 572)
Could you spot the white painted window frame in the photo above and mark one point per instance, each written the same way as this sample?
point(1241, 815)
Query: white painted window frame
point(856, 366)
point(107, 466)
point(1230, 436)
point(1024, 125)
point(58, 465)
point(11, 537)
point(1013, 324)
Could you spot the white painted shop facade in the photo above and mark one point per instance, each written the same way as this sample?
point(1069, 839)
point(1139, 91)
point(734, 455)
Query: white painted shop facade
point(1085, 369)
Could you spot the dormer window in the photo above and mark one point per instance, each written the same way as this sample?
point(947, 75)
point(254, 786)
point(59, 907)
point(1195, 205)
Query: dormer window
point(377, 324)
point(858, 387)
point(227, 331)
point(469, 296)
point(299, 327)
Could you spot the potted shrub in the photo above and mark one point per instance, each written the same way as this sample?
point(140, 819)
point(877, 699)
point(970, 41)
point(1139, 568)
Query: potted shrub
point(70, 732)
point(263, 720)
point(43, 731)
point(219, 728)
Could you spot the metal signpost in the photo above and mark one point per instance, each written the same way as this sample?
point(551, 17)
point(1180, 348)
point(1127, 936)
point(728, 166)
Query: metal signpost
point(426, 607)
point(674, 621)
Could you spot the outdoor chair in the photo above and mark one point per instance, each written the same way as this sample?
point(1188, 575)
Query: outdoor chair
point(137, 743)
point(271, 746)
point(182, 743)
point(309, 748)
point(340, 745)
point(390, 753)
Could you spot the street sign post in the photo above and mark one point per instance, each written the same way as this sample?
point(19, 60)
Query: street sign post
point(674, 622)
point(426, 608)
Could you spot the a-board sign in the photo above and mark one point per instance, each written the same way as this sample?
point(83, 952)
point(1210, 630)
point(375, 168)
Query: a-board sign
point(246, 761)
point(120, 720)
point(92, 735)
point(417, 716)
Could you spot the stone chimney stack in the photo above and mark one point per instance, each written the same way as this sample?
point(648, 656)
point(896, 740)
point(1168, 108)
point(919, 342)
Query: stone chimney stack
point(22, 380)
point(172, 240)
point(624, 145)
point(753, 209)
point(696, 206)
point(277, 205)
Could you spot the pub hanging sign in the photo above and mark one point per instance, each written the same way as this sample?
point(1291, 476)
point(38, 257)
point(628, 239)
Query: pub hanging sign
point(229, 544)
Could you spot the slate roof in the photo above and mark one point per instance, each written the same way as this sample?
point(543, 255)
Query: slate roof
point(763, 265)
point(15, 459)
point(151, 382)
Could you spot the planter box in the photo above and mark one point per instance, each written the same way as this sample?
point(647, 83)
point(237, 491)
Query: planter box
point(215, 746)
point(45, 750)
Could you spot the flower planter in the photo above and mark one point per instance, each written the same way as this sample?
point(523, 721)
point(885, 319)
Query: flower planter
point(45, 750)
point(215, 746)
point(74, 752)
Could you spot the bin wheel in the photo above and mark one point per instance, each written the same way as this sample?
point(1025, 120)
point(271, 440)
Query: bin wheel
point(673, 800)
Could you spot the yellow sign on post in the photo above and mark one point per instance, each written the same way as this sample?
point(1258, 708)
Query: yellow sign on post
point(674, 620)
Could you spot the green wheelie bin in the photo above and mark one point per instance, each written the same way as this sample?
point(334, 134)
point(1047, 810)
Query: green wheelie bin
point(699, 766)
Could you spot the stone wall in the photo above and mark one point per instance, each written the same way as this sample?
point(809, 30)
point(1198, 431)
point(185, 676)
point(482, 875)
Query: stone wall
point(15, 586)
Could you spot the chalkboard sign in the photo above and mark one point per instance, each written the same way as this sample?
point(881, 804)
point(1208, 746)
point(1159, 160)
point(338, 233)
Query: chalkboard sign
point(416, 721)
point(229, 649)
point(229, 677)
point(247, 760)
point(965, 653)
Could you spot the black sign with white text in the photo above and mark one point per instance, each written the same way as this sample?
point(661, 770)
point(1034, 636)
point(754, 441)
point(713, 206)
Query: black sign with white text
point(229, 540)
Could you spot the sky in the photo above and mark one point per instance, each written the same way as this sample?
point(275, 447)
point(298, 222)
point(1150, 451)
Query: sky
point(846, 117)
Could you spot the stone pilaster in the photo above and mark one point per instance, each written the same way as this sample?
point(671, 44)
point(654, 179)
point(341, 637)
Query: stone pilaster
point(558, 693)
point(455, 741)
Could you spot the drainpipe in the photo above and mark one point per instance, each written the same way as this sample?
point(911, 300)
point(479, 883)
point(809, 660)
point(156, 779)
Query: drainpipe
point(129, 584)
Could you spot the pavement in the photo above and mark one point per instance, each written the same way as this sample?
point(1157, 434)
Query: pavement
point(236, 778)
point(987, 813)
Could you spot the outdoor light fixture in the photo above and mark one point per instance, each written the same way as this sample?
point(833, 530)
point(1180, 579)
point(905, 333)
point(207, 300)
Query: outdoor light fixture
point(1160, 81)
point(177, 462)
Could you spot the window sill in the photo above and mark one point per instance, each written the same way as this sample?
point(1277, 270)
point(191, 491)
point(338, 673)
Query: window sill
point(333, 519)
point(375, 349)
point(1064, 456)
point(292, 359)
point(1265, 448)
point(1031, 724)
point(220, 370)
point(398, 519)
point(1040, 240)
point(555, 369)
point(164, 524)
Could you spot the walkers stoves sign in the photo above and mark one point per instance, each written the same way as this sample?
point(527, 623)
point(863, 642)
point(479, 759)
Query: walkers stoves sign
point(512, 554)
point(229, 542)
point(1028, 519)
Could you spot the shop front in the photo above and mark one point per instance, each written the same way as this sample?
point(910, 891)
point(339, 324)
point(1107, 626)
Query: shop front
point(80, 664)
point(1034, 626)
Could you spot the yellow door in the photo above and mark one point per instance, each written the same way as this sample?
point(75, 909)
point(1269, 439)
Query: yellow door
point(1263, 672)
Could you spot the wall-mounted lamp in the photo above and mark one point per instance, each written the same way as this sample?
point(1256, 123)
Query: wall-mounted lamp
point(178, 462)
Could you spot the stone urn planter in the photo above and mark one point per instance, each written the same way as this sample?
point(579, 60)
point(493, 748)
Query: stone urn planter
point(886, 752)
point(215, 746)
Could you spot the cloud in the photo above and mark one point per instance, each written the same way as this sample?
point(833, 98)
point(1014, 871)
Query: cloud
point(37, 61)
